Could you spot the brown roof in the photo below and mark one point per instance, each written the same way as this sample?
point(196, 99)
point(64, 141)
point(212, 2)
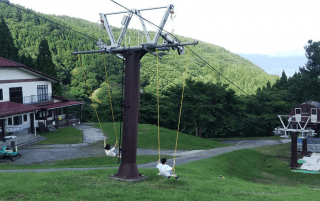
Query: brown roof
point(11, 108)
point(61, 104)
point(8, 63)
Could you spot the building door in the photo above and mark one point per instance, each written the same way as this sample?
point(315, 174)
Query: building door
point(314, 115)
point(298, 114)
point(32, 122)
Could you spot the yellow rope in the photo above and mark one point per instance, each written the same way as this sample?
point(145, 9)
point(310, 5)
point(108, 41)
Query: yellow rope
point(114, 124)
point(107, 82)
point(94, 105)
point(158, 102)
point(184, 81)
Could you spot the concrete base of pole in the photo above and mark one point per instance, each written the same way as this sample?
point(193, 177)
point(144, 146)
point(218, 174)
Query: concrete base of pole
point(138, 179)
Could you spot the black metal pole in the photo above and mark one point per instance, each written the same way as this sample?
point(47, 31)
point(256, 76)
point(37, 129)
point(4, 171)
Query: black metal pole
point(128, 168)
point(294, 155)
point(305, 147)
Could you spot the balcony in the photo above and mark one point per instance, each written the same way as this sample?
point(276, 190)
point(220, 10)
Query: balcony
point(37, 98)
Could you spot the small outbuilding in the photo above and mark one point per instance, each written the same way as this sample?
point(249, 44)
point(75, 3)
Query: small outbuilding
point(307, 112)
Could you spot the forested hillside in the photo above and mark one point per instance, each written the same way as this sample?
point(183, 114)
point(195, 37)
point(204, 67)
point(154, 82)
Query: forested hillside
point(245, 105)
point(28, 30)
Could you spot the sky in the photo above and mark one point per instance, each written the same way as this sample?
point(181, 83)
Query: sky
point(273, 28)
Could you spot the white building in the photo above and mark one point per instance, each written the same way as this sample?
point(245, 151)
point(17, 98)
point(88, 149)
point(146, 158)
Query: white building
point(27, 102)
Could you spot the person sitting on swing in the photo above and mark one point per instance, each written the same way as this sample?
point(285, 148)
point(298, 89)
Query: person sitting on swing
point(166, 170)
point(110, 152)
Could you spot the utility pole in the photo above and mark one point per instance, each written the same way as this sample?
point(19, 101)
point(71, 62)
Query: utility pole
point(128, 169)
point(294, 154)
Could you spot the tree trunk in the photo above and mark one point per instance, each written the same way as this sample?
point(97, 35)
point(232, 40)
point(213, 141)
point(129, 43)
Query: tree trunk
point(200, 130)
point(195, 126)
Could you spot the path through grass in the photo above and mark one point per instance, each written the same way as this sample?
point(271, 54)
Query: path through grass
point(86, 162)
point(250, 174)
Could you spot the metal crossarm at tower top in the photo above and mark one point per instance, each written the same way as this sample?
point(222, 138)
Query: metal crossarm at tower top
point(128, 169)
point(151, 45)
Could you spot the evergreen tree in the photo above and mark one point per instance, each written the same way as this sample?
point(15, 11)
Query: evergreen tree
point(44, 62)
point(45, 65)
point(28, 61)
point(7, 48)
point(313, 56)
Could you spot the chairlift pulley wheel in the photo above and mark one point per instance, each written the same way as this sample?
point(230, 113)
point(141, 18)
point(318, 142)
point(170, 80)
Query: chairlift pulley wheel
point(180, 50)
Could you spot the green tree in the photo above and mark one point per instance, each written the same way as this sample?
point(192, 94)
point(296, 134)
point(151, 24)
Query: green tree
point(45, 65)
point(313, 55)
point(7, 47)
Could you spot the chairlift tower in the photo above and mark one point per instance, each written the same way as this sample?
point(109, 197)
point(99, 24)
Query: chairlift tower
point(128, 169)
point(293, 120)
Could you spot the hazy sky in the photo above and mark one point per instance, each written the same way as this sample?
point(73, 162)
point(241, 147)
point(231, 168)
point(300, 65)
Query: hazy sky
point(273, 27)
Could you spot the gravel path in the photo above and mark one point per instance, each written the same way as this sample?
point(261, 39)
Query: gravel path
point(92, 146)
point(185, 156)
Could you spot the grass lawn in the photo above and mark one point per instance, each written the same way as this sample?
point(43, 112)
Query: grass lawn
point(99, 161)
point(250, 174)
point(148, 138)
point(66, 135)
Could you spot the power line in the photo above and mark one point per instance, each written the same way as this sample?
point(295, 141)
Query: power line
point(212, 68)
point(196, 97)
point(180, 41)
point(29, 11)
point(33, 13)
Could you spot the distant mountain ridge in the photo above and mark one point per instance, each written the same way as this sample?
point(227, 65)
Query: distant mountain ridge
point(27, 31)
point(276, 64)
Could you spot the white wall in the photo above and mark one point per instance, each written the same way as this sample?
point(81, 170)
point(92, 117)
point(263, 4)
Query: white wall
point(15, 74)
point(28, 88)
point(25, 124)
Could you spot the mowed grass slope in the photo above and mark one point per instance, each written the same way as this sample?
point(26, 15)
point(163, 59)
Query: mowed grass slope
point(66, 135)
point(148, 138)
point(85, 162)
point(250, 174)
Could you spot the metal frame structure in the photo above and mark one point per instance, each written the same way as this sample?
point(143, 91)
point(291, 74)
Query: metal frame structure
point(283, 130)
point(128, 169)
point(150, 46)
point(304, 133)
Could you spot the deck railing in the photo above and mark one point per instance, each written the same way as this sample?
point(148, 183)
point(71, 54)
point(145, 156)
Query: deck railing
point(37, 98)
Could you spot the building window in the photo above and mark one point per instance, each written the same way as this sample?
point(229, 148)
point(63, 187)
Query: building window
point(304, 110)
point(17, 120)
point(25, 117)
point(42, 91)
point(50, 113)
point(10, 121)
point(1, 95)
point(16, 94)
point(39, 115)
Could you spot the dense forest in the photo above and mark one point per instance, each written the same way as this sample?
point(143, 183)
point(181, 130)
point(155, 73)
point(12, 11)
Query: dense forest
point(245, 104)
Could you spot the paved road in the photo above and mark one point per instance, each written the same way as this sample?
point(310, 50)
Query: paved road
point(185, 157)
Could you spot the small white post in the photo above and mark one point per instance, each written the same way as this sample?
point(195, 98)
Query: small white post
point(34, 122)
